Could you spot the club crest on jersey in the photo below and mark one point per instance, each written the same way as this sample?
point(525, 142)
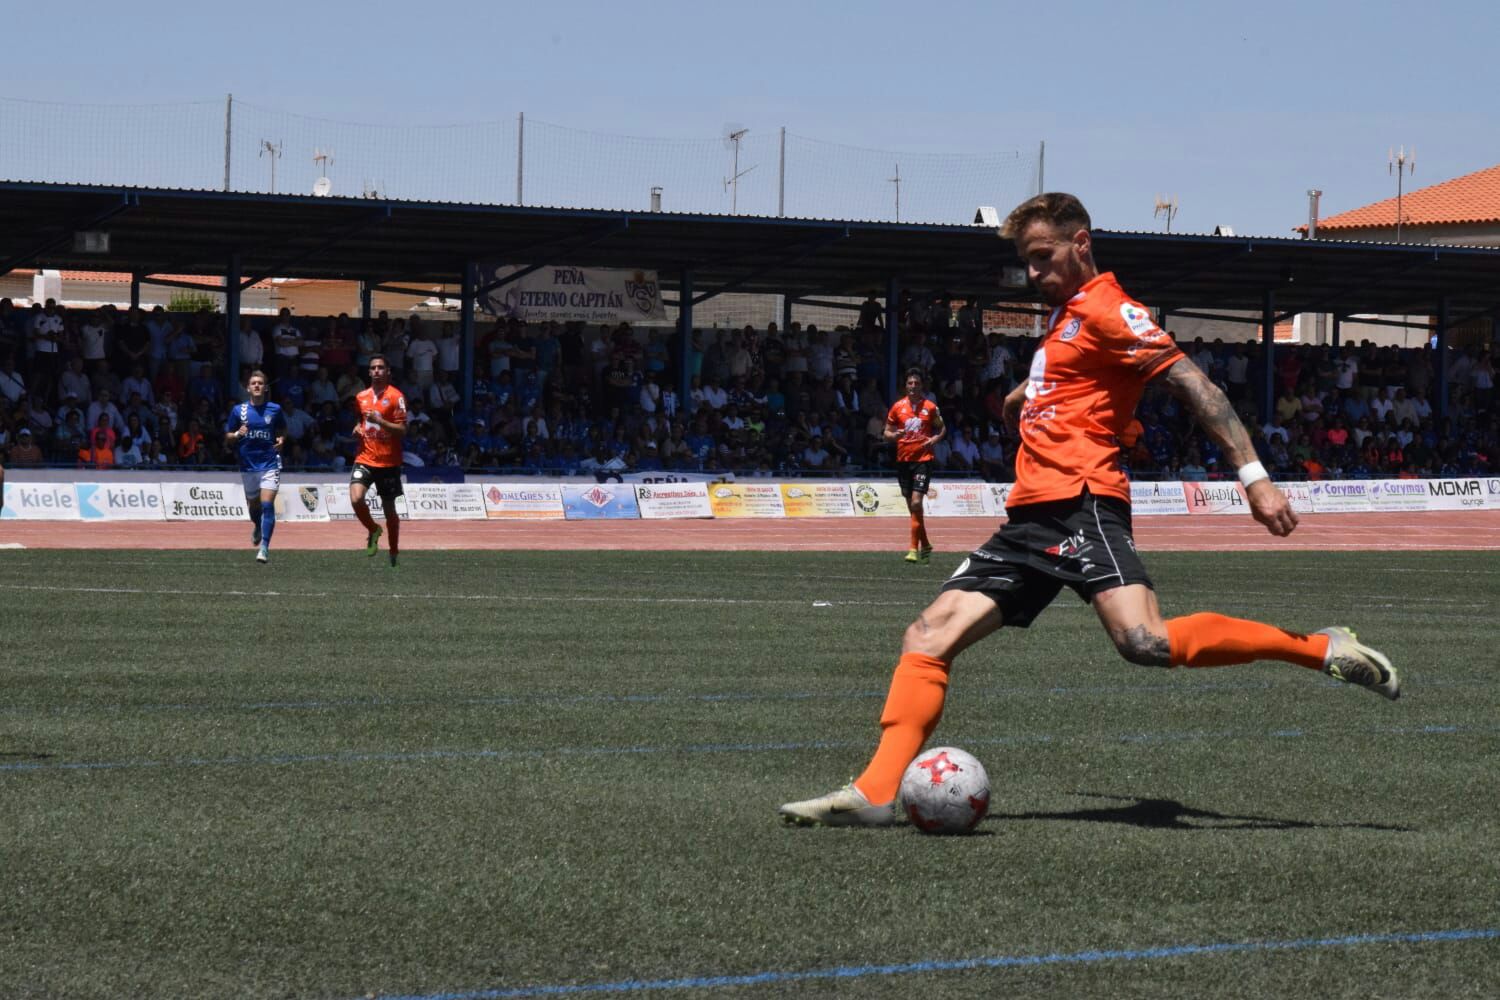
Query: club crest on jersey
point(1071, 330)
point(1138, 319)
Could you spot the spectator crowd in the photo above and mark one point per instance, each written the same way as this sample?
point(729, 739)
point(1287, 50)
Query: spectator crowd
point(107, 387)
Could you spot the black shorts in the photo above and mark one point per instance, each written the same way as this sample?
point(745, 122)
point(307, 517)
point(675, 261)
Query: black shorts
point(1084, 543)
point(386, 480)
point(913, 477)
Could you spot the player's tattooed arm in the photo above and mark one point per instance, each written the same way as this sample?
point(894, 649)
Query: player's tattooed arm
point(1210, 408)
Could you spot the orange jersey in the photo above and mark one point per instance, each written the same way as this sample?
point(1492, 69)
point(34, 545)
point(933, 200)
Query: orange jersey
point(1087, 376)
point(378, 447)
point(916, 426)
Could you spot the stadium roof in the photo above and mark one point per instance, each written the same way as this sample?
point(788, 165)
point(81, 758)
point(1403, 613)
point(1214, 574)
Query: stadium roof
point(1468, 200)
point(161, 232)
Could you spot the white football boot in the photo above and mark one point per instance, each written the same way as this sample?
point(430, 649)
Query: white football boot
point(1352, 662)
point(845, 807)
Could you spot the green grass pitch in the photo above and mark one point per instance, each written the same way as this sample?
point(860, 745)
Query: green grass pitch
point(515, 774)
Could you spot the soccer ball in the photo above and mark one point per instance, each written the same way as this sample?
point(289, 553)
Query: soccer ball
point(945, 790)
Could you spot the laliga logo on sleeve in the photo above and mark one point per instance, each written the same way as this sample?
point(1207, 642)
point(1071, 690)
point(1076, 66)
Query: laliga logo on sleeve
point(1071, 330)
point(1139, 320)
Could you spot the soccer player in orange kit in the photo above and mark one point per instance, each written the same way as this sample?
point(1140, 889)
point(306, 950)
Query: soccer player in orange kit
point(1069, 515)
point(381, 428)
point(915, 424)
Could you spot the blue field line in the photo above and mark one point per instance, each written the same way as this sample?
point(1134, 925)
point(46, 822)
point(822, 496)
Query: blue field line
point(1089, 957)
point(506, 701)
point(419, 756)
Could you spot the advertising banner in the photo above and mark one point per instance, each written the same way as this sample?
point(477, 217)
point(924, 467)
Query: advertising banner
point(599, 500)
point(210, 501)
point(1338, 496)
point(445, 501)
point(1492, 493)
point(673, 500)
point(518, 500)
point(302, 502)
point(1299, 495)
point(1398, 494)
point(813, 499)
point(878, 500)
point(1215, 498)
point(998, 494)
point(120, 502)
point(1157, 498)
point(961, 499)
point(746, 500)
point(336, 502)
point(40, 502)
point(555, 293)
point(1455, 494)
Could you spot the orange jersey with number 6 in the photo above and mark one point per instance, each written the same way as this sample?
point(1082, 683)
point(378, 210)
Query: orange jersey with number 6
point(378, 447)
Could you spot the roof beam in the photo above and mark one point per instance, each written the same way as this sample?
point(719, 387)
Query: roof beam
point(127, 201)
point(808, 249)
point(379, 215)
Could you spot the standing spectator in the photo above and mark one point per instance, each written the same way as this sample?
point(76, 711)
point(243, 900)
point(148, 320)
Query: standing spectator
point(132, 341)
point(449, 351)
point(12, 385)
point(94, 338)
point(421, 358)
point(160, 330)
point(286, 342)
point(48, 331)
point(338, 346)
point(252, 349)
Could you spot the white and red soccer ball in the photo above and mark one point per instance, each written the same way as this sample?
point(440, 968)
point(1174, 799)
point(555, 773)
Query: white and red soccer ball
point(945, 790)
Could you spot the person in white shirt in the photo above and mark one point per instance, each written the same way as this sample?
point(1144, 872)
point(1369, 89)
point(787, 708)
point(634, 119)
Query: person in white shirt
point(450, 350)
point(12, 385)
point(252, 350)
point(93, 337)
point(74, 380)
point(286, 342)
point(964, 453)
point(715, 396)
point(819, 355)
point(421, 357)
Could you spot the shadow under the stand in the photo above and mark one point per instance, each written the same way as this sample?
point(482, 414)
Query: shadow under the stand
point(1169, 814)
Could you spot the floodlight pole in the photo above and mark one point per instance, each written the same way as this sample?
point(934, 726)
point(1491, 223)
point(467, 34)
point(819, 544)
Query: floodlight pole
point(1400, 163)
point(520, 158)
point(781, 178)
point(228, 131)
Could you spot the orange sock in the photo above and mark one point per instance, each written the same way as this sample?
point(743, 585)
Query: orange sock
point(1209, 640)
point(916, 531)
point(912, 709)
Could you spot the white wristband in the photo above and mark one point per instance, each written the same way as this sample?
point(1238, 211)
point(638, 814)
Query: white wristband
point(1252, 472)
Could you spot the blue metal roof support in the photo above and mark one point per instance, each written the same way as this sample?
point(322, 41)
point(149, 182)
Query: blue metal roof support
point(684, 338)
point(1440, 405)
point(892, 336)
point(127, 201)
point(1268, 355)
point(366, 309)
point(1335, 329)
point(135, 289)
point(466, 336)
point(232, 324)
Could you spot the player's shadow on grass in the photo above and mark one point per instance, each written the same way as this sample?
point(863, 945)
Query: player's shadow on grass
point(1169, 814)
point(10, 755)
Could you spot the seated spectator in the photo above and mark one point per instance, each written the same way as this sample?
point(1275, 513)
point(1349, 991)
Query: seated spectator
point(99, 449)
point(963, 452)
point(25, 450)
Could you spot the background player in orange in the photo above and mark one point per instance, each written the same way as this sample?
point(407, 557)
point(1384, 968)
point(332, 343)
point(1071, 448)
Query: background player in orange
point(915, 424)
point(381, 428)
point(1069, 515)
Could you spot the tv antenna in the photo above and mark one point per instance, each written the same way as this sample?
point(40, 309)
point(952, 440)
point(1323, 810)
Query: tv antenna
point(733, 135)
point(896, 180)
point(1166, 205)
point(372, 188)
point(322, 187)
point(1400, 163)
point(273, 150)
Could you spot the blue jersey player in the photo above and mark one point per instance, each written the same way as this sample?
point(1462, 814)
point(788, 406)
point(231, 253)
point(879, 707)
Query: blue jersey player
point(258, 430)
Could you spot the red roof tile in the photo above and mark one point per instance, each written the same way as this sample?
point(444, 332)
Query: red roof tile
point(1472, 198)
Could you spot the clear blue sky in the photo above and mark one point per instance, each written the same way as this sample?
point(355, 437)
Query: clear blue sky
point(1236, 109)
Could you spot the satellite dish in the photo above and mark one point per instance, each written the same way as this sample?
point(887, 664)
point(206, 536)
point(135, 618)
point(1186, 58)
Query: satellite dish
point(322, 187)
